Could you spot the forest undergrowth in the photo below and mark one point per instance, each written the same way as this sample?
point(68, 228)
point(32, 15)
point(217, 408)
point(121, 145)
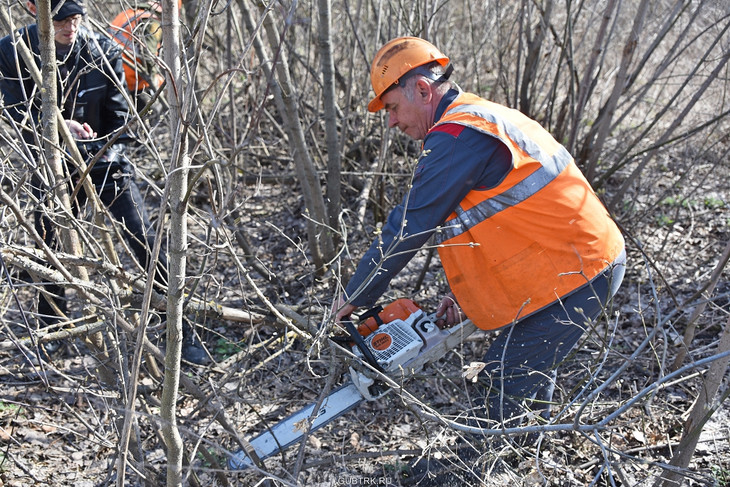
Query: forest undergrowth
point(261, 302)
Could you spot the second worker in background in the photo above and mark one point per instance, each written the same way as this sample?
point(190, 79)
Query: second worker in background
point(89, 76)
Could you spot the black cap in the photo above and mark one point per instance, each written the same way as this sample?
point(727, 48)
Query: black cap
point(68, 9)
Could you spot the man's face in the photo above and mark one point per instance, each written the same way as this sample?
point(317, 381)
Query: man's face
point(67, 29)
point(411, 116)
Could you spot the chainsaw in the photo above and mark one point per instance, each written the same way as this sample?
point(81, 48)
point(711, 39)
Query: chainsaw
point(398, 340)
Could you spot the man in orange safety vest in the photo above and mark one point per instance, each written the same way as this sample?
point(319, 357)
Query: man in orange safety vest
point(525, 243)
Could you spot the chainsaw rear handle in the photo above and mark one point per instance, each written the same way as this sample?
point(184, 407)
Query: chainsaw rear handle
point(360, 343)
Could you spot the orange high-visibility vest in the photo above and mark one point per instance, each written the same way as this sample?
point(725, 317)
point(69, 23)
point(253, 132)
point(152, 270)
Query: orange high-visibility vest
point(540, 234)
point(125, 30)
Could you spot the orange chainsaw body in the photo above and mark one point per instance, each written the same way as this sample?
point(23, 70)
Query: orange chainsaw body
point(400, 309)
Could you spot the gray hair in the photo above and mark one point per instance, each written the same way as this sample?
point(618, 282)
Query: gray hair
point(433, 71)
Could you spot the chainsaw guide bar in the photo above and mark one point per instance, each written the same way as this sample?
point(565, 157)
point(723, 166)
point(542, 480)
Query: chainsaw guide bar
point(400, 347)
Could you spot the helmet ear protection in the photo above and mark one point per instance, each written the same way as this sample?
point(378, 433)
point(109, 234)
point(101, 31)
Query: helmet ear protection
point(399, 59)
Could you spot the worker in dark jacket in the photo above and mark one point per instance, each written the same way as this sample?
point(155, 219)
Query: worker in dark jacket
point(89, 78)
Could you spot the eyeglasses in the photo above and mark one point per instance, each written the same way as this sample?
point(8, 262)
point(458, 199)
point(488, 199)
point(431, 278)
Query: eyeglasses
point(74, 20)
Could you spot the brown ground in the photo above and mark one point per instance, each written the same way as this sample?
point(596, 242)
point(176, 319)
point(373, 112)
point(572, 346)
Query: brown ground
point(58, 423)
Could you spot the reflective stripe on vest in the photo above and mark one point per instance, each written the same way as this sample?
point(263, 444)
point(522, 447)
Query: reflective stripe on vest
point(551, 167)
point(540, 234)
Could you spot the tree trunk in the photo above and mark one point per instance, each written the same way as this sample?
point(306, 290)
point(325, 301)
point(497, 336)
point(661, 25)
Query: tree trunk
point(702, 409)
point(689, 332)
point(596, 140)
point(52, 123)
point(318, 235)
point(532, 61)
point(587, 82)
point(176, 188)
point(334, 206)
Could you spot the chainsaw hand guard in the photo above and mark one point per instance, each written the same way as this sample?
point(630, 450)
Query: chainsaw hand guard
point(360, 344)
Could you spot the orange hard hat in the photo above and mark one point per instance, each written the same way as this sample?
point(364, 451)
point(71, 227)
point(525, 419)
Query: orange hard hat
point(397, 58)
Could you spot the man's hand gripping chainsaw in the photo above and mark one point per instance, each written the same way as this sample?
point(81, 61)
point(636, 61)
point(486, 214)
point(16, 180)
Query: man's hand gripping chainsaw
point(397, 341)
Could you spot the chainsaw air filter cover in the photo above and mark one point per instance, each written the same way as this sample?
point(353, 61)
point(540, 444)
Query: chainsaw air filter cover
point(395, 343)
